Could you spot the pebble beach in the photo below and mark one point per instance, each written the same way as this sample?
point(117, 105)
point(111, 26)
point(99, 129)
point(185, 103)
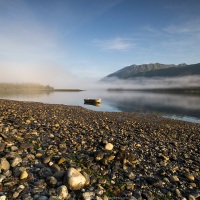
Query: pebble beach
point(58, 152)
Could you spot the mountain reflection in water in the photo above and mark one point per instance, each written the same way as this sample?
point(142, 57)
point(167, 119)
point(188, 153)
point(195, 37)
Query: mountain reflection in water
point(164, 104)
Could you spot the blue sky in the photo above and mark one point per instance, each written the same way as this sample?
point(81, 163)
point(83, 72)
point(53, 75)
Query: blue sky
point(65, 41)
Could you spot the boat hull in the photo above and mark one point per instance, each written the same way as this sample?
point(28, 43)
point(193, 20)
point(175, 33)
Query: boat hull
point(94, 101)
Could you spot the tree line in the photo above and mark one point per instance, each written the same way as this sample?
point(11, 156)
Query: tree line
point(24, 86)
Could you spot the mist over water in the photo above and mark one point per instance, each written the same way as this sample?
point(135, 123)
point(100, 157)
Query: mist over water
point(184, 107)
point(154, 82)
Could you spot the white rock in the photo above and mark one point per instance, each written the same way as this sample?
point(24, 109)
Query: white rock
point(62, 192)
point(74, 179)
point(109, 146)
point(3, 197)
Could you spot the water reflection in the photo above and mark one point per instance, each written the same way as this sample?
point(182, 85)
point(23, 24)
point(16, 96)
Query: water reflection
point(93, 104)
point(164, 104)
point(186, 107)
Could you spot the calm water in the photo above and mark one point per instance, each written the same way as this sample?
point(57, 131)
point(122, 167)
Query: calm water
point(183, 107)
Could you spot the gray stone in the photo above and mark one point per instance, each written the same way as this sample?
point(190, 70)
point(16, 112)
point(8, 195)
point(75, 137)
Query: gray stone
point(43, 198)
point(54, 198)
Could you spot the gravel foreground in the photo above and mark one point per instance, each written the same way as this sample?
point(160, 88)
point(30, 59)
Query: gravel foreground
point(53, 152)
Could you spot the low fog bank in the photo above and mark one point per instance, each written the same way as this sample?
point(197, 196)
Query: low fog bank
point(58, 77)
point(153, 83)
point(44, 73)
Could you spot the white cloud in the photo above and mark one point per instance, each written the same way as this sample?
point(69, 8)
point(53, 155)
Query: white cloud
point(117, 44)
point(192, 27)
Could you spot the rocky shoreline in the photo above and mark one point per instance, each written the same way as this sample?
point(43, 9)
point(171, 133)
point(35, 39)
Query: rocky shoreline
point(53, 152)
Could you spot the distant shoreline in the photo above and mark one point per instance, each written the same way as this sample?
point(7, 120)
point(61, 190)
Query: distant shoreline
point(29, 87)
point(42, 90)
point(67, 90)
point(191, 90)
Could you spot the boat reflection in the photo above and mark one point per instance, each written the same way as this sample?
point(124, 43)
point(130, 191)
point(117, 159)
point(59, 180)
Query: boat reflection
point(92, 104)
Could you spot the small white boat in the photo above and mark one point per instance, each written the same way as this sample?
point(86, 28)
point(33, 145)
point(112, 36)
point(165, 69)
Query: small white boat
point(94, 101)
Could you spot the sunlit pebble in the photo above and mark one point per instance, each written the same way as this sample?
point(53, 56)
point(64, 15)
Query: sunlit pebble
point(24, 175)
point(189, 177)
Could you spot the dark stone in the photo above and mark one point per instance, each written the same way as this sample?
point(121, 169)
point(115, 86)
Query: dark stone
point(45, 172)
point(152, 180)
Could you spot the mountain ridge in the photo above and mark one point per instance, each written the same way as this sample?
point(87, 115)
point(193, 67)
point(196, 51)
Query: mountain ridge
point(155, 70)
